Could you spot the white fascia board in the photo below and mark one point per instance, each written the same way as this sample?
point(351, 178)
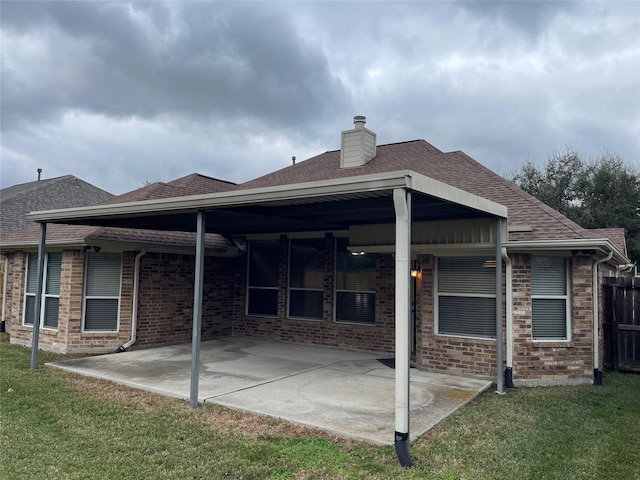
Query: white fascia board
point(280, 194)
point(429, 186)
point(602, 244)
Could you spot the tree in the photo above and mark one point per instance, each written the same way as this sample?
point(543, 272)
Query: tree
point(596, 193)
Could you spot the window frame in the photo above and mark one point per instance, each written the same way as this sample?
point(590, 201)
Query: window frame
point(249, 287)
point(567, 302)
point(320, 240)
point(45, 295)
point(437, 295)
point(86, 297)
point(337, 290)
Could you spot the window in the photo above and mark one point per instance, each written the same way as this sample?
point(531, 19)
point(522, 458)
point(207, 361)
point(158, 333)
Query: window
point(102, 291)
point(466, 291)
point(306, 278)
point(262, 286)
point(355, 298)
point(549, 298)
point(50, 289)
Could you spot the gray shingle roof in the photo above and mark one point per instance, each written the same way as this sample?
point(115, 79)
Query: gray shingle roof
point(52, 193)
point(192, 184)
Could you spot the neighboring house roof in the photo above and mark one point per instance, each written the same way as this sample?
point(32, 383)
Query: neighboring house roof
point(536, 220)
point(193, 184)
point(61, 234)
point(67, 191)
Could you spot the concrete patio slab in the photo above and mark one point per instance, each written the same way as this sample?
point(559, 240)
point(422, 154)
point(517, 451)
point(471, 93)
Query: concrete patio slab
point(348, 393)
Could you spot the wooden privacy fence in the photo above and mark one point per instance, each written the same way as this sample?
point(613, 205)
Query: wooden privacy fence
point(621, 310)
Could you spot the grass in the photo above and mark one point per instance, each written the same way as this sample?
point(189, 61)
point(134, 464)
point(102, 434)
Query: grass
point(57, 425)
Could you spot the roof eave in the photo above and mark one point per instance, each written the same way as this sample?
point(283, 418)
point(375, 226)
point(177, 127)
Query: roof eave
point(603, 245)
point(29, 244)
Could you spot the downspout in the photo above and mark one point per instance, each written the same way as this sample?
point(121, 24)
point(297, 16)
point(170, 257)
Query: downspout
point(4, 293)
point(499, 335)
point(597, 373)
point(508, 373)
point(402, 206)
point(134, 308)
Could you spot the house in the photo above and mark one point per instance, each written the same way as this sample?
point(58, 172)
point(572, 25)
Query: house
point(58, 192)
point(320, 253)
point(93, 312)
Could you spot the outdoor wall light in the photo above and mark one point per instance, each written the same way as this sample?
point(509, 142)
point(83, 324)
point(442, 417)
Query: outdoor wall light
point(415, 272)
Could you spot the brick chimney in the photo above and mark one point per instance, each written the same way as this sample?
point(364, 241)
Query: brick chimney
point(358, 146)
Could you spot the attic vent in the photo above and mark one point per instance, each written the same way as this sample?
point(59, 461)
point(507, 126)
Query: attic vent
point(358, 146)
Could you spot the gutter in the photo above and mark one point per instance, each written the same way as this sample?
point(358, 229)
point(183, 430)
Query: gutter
point(134, 309)
point(597, 373)
point(603, 244)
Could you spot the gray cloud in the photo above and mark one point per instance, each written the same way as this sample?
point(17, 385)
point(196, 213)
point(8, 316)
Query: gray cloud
point(120, 92)
point(198, 60)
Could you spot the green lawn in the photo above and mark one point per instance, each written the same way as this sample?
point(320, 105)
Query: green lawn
point(54, 425)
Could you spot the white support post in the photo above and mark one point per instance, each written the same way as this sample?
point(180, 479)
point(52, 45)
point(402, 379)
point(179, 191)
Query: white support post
point(197, 311)
point(38, 300)
point(402, 204)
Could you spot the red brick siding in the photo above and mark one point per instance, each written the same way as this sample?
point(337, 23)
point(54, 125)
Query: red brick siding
point(553, 361)
point(455, 355)
point(165, 309)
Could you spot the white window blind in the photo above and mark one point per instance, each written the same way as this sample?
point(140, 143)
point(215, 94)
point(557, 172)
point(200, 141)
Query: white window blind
point(50, 304)
point(102, 291)
point(549, 298)
point(355, 285)
point(466, 296)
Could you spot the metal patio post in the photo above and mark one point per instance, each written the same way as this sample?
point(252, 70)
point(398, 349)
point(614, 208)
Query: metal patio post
point(38, 300)
point(197, 311)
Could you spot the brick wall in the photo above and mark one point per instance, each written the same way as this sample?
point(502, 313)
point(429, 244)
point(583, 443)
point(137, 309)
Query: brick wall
point(455, 355)
point(374, 338)
point(165, 309)
point(553, 362)
point(15, 279)
point(68, 337)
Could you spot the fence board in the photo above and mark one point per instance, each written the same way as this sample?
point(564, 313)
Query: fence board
point(621, 310)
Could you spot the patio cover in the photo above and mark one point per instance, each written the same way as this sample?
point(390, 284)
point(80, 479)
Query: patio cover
point(400, 197)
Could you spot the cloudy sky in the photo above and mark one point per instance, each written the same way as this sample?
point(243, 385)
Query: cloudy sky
point(121, 93)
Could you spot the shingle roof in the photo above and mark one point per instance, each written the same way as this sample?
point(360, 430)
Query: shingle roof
point(536, 220)
point(52, 193)
point(615, 236)
point(192, 184)
point(82, 234)
point(454, 168)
